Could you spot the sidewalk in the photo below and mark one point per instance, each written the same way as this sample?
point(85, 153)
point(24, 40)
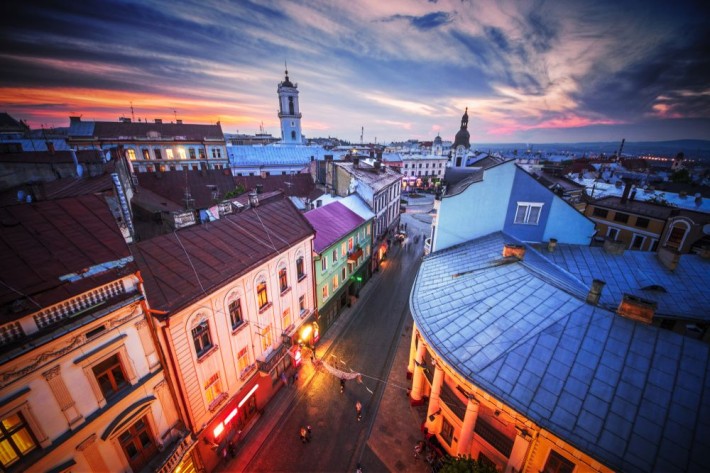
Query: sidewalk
point(396, 427)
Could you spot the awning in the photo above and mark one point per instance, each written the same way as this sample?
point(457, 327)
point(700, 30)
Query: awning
point(353, 257)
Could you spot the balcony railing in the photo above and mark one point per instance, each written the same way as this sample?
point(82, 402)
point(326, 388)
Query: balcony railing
point(173, 457)
point(272, 359)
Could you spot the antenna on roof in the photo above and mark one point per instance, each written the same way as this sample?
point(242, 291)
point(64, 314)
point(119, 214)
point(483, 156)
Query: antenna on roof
point(133, 115)
point(362, 133)
point(175, 114)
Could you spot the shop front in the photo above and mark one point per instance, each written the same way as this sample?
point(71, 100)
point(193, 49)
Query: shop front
point(379, 255)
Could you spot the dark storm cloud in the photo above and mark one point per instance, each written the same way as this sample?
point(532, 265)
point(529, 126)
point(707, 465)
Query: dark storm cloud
point(498, 38)
point(425, 22)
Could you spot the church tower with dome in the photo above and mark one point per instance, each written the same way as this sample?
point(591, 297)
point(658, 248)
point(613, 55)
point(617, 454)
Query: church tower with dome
point(289, 113)
point(461, 143)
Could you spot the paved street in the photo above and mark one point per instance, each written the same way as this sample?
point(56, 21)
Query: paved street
point(366, 341)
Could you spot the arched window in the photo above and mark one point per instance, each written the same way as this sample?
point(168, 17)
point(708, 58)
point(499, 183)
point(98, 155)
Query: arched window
point(236, 316)
point(293, 135)
point(290, 106)
point(283, 280)
point(300, 270)
point(262, 296)
point(676, 234)
point(201, 337)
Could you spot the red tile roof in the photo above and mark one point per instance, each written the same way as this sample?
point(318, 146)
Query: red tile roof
point(42, 241)
point(171, 185)
point(299, 184)
point(219, 252)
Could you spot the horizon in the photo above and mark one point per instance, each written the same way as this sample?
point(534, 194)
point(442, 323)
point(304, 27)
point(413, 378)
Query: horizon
point(537, 73)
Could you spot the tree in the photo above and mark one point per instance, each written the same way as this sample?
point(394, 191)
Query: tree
point(239, 190)
point(681, 176)
point(465, 464)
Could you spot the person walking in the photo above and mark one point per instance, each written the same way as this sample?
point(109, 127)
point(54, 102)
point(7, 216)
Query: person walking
point(342, 385)
point(304, 434)
point(309, 433)
point(358, 410)
point(418, 448)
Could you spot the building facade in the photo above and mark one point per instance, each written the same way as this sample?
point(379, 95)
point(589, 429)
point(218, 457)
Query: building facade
point(233, 301)
point(422, 170)
point(342, 249)
point(82, 385)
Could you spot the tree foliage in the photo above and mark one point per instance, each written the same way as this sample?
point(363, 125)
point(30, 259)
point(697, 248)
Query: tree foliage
point(682, 176)
point(239, 190)
point(465, 464)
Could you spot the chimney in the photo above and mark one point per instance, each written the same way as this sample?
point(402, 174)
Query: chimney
point(253, 199)
point(704, 252)
point(319, 203)
point(50, 147)
point(262, 174)
point(74, 120)
point(551, 245)
point(372, 154)
point(159, 121)
point(698, 198)
point(595, 292)
point(517, 251)
point(259, 188)
point(682, 194)
point(124, 120)
point(378, 164)
point(637, 308)
point(614, 247)
point(627, 189)
point(669, 257)
point(179, 122)
point(379, 155)
point(79, 168)
point(356, 161)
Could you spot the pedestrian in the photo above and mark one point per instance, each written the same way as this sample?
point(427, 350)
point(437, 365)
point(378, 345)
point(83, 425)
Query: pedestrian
point(283, 378)
point(342, 385)
point(304, 435)
point(418, 448)
point(309, 433)
point(358, 410)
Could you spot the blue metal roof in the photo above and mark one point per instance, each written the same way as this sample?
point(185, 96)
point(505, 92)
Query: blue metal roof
point(633, 396)
point(274, 155)
point(684, 291)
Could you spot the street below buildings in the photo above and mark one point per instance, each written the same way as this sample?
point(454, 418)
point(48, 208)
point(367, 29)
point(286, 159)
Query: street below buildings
point(375, 329)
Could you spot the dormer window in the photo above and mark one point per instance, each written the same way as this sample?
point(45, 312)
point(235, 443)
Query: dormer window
point(528, 213)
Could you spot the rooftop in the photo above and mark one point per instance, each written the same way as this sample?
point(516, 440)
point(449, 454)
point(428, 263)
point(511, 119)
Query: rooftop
point(633, 396)
point(368, 175)
point(274, 155)
point(132, 130)
point(332, 222)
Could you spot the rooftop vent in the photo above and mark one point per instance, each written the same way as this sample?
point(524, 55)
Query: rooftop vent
point(517, 251)
point(159, 120)
point(669, 257)
point(253, 199)
point(551, 245)
point(637, 308)
point(595, 292)
point(179, 122)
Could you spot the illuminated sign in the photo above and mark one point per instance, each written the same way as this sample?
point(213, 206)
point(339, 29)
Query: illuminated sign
point(230, 416)
point(218, 430)
point(241, 403)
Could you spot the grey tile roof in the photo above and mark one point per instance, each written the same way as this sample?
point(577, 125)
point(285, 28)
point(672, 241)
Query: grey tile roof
point(633, 396)
point(274, 155)
point(637, 272)
point(367, 175)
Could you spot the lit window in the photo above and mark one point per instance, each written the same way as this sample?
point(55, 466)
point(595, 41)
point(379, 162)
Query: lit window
point(343, 248)
point(335, 282)
point(131, 154)
point(182, 154)
point(335, 256)
point(350, 244)
point(235, 313)
point(169, 153)
point(201, 338)
point(286, 319)
point(192, 153)
point(528, 214)
point(302, 304)
point(324, 264)
point(202, 153)
point(213, 388)
point(324, 292)
point(146, 153)
point(110, 376)
point(261, 295)
point(266, 338)
point(300, 271)
point(16, 439)
point(283, 280)
point(242, 360)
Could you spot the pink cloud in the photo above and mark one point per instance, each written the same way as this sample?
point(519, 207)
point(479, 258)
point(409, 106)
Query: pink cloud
point(573, 121)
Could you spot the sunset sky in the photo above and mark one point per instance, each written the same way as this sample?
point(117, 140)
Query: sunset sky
point(528, 71)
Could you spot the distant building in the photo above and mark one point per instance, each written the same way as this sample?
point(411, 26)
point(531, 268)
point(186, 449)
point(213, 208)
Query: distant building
point(342, 247)
point(461, 146)
point(276, 159)
point(231, 302)
point(82, 385)
point(422, 170)
point(153, 147)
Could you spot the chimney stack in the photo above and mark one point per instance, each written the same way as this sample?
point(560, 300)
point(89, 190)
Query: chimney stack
point(669, 257)
point(551, 245)
point(518, 251)
point(637, 308)
point(262, 174)
point(259, 188)
point(377, 165)
point(614, 247)
point(159, 120)
point(253, 199)
point(627, 189)
point(74, 120)
point(178, 121)
point(319, 202)
point(356, 161)
point(595, 292)
point(698, 198)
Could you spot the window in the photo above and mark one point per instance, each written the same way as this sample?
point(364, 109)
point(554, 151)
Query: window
point(201, 338)
point(216, 153)
point(642, 222)
point(110, 376)
point(302, 304)
point(213, 388)
point(602, 213)
point(261, 295)
point(300, 271)
point(267, 338)
point(193, 155)
point(242, 360)
point(146, 153)
point(447, 431)
point(138, 444)
point(335, 282)
point(158, 153)
point(556, 463)
point(202, 153)
point(182, 154)
point(235, 313)
point(324, 292)
point(677, 235)
point(612, 233)
point(335, 256)
point(654, 245)
point(286, 319)
point(131, 154)
point(343, 248)
point(621, 217)
point(16, 439)
point(283, 280)
point(350, 244)
point(637, 242)
point(528, 214)
point(343, 272)
point(323, 264)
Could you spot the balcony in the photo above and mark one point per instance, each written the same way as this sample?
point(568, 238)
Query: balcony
point(272, 359)
point(170, 458)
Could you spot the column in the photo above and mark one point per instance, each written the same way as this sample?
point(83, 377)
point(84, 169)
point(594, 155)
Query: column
point(412, 352)
point(90, 449)
point(62, 395)
point(418, 381)
point(517, 455)
point(435, 398)
point(469, 422)
point(147, 344)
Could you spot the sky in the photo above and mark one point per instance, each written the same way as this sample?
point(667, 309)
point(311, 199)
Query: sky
point(528, 71)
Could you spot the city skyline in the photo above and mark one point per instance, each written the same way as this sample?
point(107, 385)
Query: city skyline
point(526, 71)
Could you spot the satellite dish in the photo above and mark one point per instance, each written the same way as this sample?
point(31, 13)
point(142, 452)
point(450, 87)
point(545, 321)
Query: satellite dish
point(706, 229)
